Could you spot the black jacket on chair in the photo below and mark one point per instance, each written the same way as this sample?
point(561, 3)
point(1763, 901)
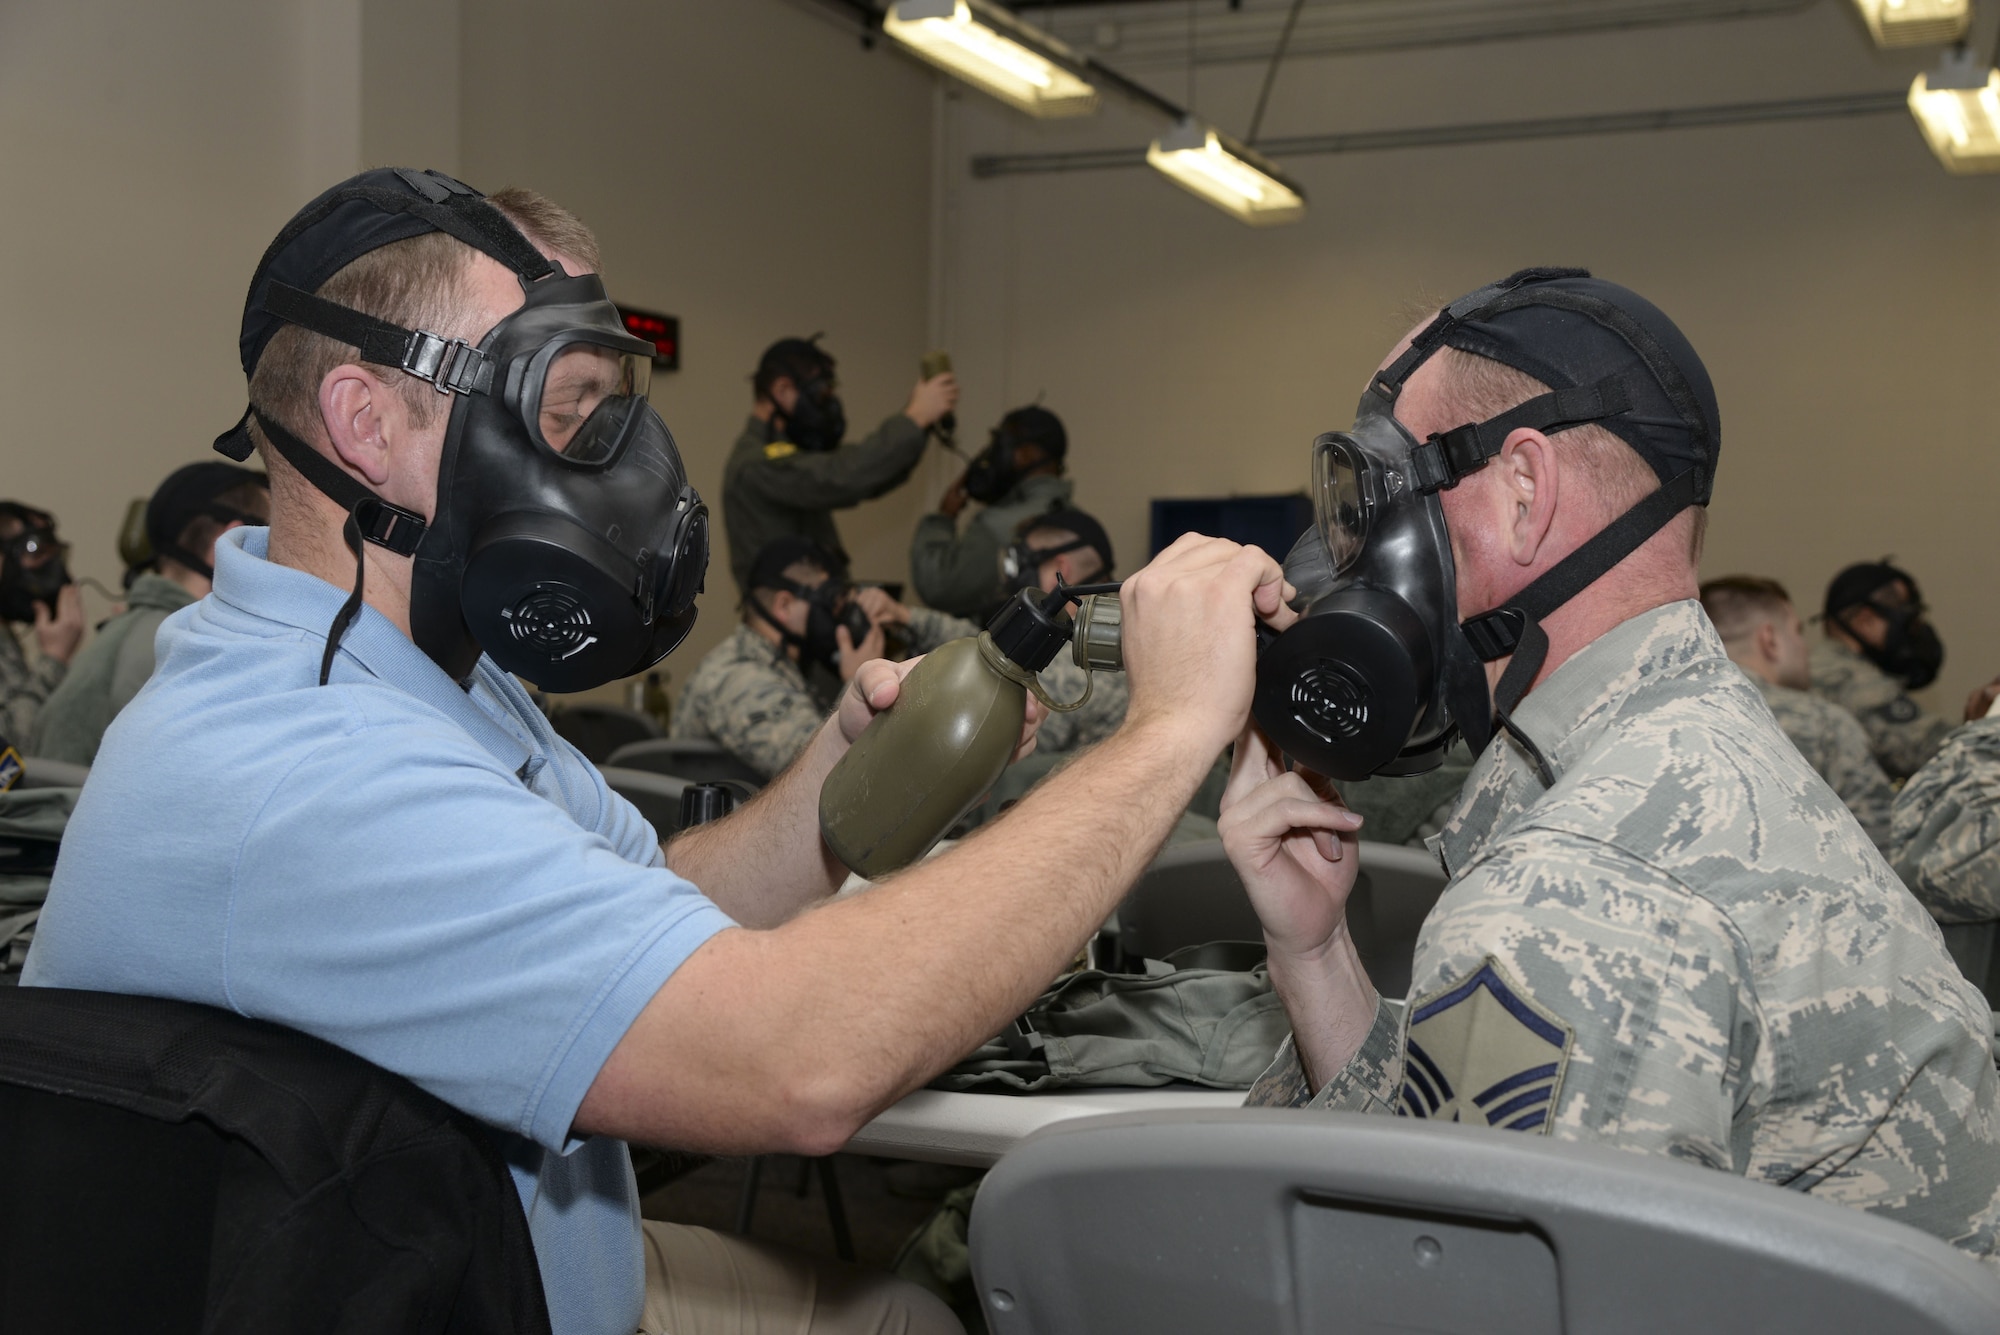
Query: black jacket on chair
point(168, 1167)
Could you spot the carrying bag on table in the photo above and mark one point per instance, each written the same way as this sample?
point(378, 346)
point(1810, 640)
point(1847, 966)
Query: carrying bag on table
point(31, 830)
point(1204, 1026)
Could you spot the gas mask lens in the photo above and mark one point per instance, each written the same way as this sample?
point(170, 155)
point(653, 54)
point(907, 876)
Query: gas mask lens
point(584, 397)
point(1339, 499)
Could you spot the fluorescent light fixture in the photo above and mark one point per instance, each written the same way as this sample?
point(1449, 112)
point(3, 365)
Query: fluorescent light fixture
point(1957, 105)
point(996, 52)
point(1236, 179)
point(1915, 22)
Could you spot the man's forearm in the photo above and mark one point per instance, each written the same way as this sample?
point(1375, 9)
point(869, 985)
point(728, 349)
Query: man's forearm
point(1331, 1003)
point(766, 862)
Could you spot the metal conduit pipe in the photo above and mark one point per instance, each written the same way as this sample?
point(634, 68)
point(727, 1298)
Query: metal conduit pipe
point(1829, 107)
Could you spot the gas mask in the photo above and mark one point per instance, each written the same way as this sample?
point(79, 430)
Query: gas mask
point(22, 585)
point(1379, 674)
point(817, 421)
point(567, 543)
point(992, 472)
point(829, 606)
point(1021, 564)
point(1911, 650)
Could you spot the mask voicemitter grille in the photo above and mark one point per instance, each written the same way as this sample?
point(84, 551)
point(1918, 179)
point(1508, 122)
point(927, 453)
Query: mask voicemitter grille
point(553, 621)
point(1329, 703)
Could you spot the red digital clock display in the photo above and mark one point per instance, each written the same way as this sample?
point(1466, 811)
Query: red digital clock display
point(662, 331)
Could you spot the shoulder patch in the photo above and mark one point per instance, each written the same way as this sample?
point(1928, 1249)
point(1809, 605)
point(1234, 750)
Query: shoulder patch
point(1480, 1052)
point(780, 449)
point(1899, 710)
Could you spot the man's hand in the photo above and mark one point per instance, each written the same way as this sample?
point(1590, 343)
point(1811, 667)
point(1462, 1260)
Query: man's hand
point(876, 686)
point(59, 635)
point(952, 503)
point(1293, 842)
point(873, 645)
point(1190, 639)
point(932, 399)
point(1980, 701)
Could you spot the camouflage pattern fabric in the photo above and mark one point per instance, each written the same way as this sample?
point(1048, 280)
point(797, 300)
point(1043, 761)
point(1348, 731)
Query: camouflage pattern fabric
point(1686, 947)
point(25, 684)
point(1945, 838)
point(749, 695)
point(1100, 715)
point(1901, 732)
point(1411, 809)
point(1837, 748)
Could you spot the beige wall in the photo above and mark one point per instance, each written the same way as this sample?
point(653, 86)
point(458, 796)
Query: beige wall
point(1838, 283)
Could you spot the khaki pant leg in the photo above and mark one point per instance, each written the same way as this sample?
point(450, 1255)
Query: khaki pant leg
point(700, 1282)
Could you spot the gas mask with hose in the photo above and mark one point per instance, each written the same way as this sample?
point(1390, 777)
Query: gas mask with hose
point(998, 469)
point(1379, 674)
point(566, 542)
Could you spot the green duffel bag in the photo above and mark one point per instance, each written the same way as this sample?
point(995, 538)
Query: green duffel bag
point(31, 830)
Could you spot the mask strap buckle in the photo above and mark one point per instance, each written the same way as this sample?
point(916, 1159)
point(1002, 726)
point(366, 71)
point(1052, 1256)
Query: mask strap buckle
point(1448, 456)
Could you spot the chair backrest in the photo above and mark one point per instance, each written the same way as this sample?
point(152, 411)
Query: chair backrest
point(698, 760)
point(597, 730)
point(1313, 1223)
point(175, 1168)
point(658, 796)
point(1191, 895)
point(40, 772)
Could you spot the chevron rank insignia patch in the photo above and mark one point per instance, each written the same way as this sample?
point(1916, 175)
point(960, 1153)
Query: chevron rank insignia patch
point(1481, 1052)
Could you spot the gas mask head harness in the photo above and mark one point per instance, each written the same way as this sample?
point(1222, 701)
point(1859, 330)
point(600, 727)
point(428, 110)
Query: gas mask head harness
point(817, 420)
point(567, 542)
point(194, 492)
point(1379, 675)
point(829, 604)
point(36, 568)
point(1021, 563)
point(1910, 650)
point(997, 469)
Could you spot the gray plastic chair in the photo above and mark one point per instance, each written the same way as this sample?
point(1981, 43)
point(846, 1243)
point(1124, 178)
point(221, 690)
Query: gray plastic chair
point(1191, 895)
point(1314, 1223)
point(658, 796)
point(697, 760)
point(39, 772)
point(598, 730)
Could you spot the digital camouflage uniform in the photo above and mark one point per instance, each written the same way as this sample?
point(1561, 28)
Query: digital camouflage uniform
point(104, 677)
point(1100, 715)
point(1836, 746)
point(25, 683)
point(960, 572)
point(1900, 731)
point(772, 489)
point(1686, 947)
point(749, 695)
point(1945, 837)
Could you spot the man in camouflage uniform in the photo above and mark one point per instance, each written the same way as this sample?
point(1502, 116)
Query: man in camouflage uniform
point(789, 471)
point(1662, 931)
point(1945, 844)
point(765, 690)
point(1765, 636)
point(1019, 476)
point(1879, 646)
point(36, 593)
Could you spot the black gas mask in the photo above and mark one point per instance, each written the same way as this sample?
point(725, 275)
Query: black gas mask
point(829, 606)
point(1910, 650)
point(567, 542)
point(1379, 674)
point(816, 421)
point(997, 469)
point(29, 578)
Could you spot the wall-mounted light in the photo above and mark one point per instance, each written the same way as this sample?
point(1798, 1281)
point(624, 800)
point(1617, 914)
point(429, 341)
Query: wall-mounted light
point(1957, 105)
point(1236, 179)
point(993, 51)
point(1915, 22)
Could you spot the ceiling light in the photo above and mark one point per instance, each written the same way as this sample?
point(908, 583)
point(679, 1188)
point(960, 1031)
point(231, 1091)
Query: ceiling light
point(1915, 22)
point(992, 50)
point(1237, 180)
point(1957, 105)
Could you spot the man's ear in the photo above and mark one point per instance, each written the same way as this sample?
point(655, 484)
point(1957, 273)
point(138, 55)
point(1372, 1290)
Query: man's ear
point(356, 408)
point(1767, 642)
point(1530, 487)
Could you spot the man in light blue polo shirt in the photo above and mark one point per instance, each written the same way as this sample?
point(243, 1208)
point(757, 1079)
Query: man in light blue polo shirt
point(318, 813)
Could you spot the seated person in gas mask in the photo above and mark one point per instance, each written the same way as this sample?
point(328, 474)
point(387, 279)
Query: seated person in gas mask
point(1017, 476)
point(1765, 636)
point(1073, 546)
point(38, 596)
point(788, 472)
point(1662, 931)
point(192, 508)
point(1945, 843)
point(767, 689)
point(1880, 646)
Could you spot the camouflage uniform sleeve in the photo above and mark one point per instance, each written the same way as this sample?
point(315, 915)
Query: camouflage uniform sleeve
point(1853, 774)
point(764, 719)
point(1368, 1083)
point(1563, 987)
point(836, 479)
point(959, 572)
point(1100, 715)
point(24, 686)
point(930, 628)
point(1945, 836)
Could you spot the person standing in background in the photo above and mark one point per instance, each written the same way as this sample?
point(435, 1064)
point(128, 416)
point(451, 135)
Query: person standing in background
point(1017, 476)
point(1764, 635)
point(192, 508)
point(37, 592)
point(788, 472)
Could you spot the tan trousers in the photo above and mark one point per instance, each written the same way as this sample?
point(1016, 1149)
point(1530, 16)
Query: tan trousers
point(700, 1282)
